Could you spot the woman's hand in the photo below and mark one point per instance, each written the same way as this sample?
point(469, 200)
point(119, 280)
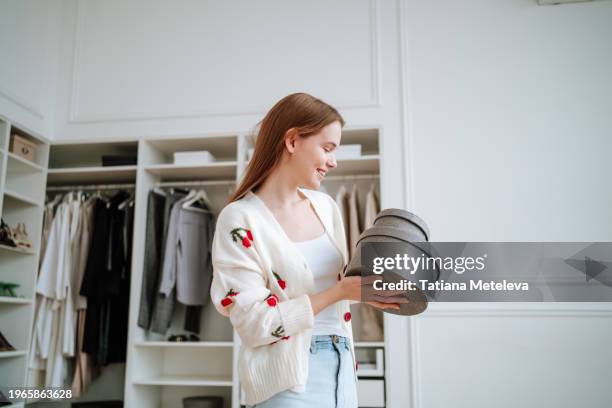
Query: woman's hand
point(353, 287)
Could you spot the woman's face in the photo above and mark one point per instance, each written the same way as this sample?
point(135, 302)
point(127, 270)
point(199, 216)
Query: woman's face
point(313, 156)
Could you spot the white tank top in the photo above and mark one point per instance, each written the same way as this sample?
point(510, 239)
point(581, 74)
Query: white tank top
point(325, 261)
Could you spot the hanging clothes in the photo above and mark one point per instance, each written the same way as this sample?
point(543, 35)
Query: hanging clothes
point(106, 283)
point(354, 219)
point(47, 221)
point(371, 327)
point(53, 338)
point(372, 208)
point(154, 237)
point(84, 371)
point(187, 258)
point(163, 306)
point(342, 201)
point(86, 248)
point(183, 272)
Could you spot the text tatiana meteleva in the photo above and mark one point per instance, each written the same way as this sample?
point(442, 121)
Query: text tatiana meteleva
point(480, 284)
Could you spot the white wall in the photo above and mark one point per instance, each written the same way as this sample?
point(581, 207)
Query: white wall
point(509, 107)
point(510, 111)
point(29, 54)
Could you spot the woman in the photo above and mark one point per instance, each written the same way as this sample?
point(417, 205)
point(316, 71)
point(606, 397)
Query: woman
point(279, 251)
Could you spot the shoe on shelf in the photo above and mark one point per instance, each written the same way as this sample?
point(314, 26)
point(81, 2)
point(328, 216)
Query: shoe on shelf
point(8, 289)
point(184, 337)
point(4, 344)
point(20, 236)
point(4, 401)
point(6, 235)
point(178, 337)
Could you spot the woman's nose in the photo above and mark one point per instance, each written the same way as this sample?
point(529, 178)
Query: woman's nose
point(332, 162)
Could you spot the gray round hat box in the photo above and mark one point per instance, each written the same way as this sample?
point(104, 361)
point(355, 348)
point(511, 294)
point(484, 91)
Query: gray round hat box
point(399, 226)
point(203, 401)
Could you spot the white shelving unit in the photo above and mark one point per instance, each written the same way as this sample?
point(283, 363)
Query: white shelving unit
point(21, 198)
point(159, 373)
point(154, 373)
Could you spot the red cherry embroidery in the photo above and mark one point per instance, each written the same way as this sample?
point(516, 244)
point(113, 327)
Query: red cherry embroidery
point(280, 280)
point(347, 316)
point(243, 235)
point(285, 337)
point(227, 300)
point(357, 366)
point(272, 300)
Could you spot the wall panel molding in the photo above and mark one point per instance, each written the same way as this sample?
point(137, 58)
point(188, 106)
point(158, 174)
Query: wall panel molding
point(77, 116)
point(488, 310)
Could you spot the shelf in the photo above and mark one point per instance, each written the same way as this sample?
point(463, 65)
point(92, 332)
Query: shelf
point(187, 381)
point(211, 171)
point(368, 164)
point(22, 198)
point(366, 137)
point(222, 147)
point(22, 164)
point(18, 250)
point(14, 300)
point(14, 353)
point(185, 344)
point(91, 175)
point(364, 344)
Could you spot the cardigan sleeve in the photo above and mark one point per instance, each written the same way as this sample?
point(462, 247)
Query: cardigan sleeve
point(239, 288)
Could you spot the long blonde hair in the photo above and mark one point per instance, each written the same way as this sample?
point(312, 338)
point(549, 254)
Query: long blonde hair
point(300, 111)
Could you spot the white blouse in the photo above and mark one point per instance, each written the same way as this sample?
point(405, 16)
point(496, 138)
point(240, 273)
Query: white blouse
point(325, 261)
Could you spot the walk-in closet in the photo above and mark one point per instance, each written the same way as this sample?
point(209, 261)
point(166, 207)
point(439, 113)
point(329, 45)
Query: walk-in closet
point(166, 358)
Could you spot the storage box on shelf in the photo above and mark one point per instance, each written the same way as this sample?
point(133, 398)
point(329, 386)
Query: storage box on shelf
point(82, 163)
point(25, 178)
point(160, 158)
point(22, 180)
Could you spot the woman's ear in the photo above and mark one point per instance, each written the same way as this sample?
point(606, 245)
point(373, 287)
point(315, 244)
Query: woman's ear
point(291, 137)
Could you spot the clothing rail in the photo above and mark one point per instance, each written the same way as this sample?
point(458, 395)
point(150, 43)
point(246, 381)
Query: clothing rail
point(355, 177)
point(92, 187)
point(195, 183)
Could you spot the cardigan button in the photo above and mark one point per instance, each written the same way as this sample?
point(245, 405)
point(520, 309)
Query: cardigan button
point(347, 316)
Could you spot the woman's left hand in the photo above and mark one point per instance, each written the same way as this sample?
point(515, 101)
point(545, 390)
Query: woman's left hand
point(383, 306)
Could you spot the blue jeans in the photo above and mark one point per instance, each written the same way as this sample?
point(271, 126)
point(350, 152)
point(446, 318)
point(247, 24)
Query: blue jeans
point(331, 378)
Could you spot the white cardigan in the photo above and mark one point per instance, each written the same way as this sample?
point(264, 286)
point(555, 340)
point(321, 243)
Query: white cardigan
point(261, 281)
